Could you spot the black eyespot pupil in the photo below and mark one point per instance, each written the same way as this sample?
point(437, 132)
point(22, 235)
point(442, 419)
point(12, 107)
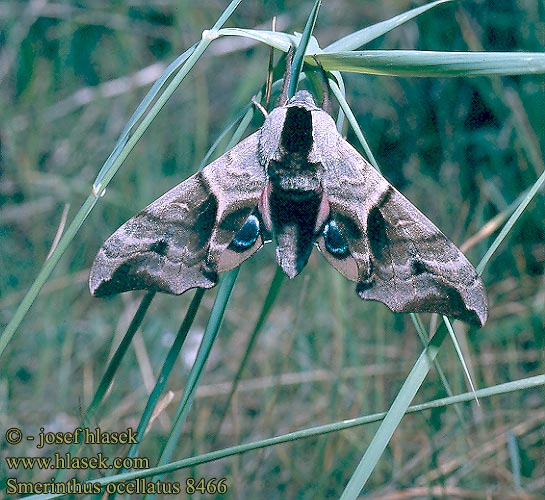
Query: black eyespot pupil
point(335, 242)
point(247, 235)
point(418, 267)
point(159, 247)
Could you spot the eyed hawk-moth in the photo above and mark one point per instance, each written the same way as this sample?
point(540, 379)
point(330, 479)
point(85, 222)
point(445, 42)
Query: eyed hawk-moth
point(297, 181)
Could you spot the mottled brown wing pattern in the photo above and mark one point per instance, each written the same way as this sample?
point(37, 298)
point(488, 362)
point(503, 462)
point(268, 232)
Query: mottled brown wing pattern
point(182, 239)
point(298, 179)
point(397, 255)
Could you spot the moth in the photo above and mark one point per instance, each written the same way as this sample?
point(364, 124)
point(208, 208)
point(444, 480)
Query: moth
point(297, 181)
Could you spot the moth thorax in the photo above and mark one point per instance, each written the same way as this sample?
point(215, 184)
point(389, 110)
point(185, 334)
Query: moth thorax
point(297, 131)
point(293, 173)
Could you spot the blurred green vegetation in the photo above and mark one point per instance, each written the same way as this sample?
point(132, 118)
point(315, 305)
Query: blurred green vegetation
point(461, 149)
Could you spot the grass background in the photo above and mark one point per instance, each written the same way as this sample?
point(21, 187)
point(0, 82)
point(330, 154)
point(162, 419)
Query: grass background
point(461, 149)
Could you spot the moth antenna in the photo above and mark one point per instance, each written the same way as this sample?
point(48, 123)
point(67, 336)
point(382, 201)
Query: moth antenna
point(326, 97)
point(283, 97)
point(268, 88)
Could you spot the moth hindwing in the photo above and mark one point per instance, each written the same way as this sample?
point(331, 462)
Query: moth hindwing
point(298, 180)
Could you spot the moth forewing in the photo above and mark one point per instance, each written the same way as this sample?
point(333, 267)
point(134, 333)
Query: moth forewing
point(177, 242)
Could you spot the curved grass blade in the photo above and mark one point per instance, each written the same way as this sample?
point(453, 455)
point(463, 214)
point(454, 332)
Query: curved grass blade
point(283, 41)
point(393, 417)
point(419, 63)
point(277, 39)
point(538, 185)
point(299, 56)
point(115, 160)
point(170, 360)
point(515, 386)
point(108, 376)
point(274, 289)
point(366, 35)
point(212, 328)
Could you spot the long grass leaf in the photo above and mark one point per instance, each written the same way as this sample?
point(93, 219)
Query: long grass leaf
point(274, 289)
point(393, 418)
point(299, 56)
point(496, 390)
point(211, 331)
point(353, 123)
point(419, 63)
point(366, 35)
point(170, 360)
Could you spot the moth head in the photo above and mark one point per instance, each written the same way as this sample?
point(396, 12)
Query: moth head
point(302, 99)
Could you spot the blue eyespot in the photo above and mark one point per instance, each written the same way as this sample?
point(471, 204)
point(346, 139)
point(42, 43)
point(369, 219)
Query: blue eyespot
point(335, 242)
point(247, 235)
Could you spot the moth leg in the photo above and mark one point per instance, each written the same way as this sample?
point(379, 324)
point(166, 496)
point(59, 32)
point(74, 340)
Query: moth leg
point(259, 106)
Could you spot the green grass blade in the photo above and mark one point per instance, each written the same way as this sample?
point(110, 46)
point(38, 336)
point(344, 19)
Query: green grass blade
point(353, 123)
point(538, 185)
point(45, 272)
point(423, 336)
point(514, 455)
point(170, 360)
point(418, 63)
point(299, 56)
point(508, 387)
point(459, 353)
point(162, 379)
point(120, 352)
point(393, 418)
point(212, 328)
point(243, 119)
point(366, 35)
point(274, 289)
point(339, 82)
point(109, 373)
